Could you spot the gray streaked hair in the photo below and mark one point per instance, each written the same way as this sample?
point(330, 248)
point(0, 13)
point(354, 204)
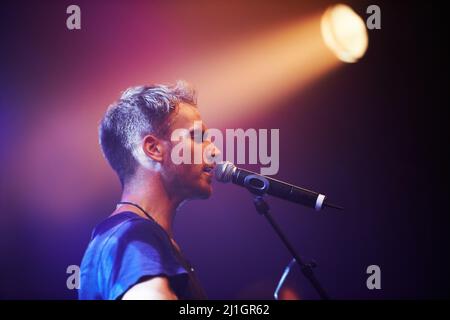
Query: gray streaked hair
point(140, 111)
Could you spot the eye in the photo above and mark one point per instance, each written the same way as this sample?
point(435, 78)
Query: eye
point(206, 136)
point(198, 138)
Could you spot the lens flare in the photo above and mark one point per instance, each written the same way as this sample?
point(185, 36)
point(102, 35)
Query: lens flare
point(344, 33)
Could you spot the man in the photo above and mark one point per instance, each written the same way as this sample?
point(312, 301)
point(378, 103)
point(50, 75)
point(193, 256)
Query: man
point(132, 254)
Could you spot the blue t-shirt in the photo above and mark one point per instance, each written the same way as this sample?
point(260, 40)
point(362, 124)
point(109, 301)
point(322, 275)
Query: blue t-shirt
point(124, 250)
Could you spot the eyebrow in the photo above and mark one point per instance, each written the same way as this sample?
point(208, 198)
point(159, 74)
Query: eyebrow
point(203, 128)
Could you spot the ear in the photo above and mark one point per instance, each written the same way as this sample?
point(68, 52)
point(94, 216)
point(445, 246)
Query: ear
point(153, 147)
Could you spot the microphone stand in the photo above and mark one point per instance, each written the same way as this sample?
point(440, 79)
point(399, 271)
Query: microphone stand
point(263, 208)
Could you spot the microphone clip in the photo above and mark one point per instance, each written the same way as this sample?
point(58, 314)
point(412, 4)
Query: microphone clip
point(256, 184)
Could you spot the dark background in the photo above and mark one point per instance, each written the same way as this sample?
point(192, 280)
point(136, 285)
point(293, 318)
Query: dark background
point(370, 135)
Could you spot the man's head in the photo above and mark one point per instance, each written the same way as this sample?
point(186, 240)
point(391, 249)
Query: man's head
point(135, 136)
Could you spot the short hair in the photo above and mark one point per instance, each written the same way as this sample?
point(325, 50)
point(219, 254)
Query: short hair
point(140, 111)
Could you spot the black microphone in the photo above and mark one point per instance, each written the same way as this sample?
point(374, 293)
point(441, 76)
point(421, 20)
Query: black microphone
point(259, 184)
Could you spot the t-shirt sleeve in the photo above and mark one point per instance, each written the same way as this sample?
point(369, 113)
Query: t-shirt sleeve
point(135, 250)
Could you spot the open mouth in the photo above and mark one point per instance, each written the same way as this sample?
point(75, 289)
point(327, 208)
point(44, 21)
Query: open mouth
point(208, 170)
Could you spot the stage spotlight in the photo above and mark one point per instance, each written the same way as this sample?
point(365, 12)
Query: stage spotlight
point(344, 32)
point(251, 76)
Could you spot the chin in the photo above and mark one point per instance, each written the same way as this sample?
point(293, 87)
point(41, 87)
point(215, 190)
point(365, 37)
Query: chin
point(204, 192)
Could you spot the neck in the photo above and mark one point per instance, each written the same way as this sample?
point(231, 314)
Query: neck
point(150, 194)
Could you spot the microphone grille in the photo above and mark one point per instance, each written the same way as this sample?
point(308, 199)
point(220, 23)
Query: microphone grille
point(224, 171)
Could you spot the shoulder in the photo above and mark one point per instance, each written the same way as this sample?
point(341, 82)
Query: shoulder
point(124, 249)
point(134, 249)
point(129, 229)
